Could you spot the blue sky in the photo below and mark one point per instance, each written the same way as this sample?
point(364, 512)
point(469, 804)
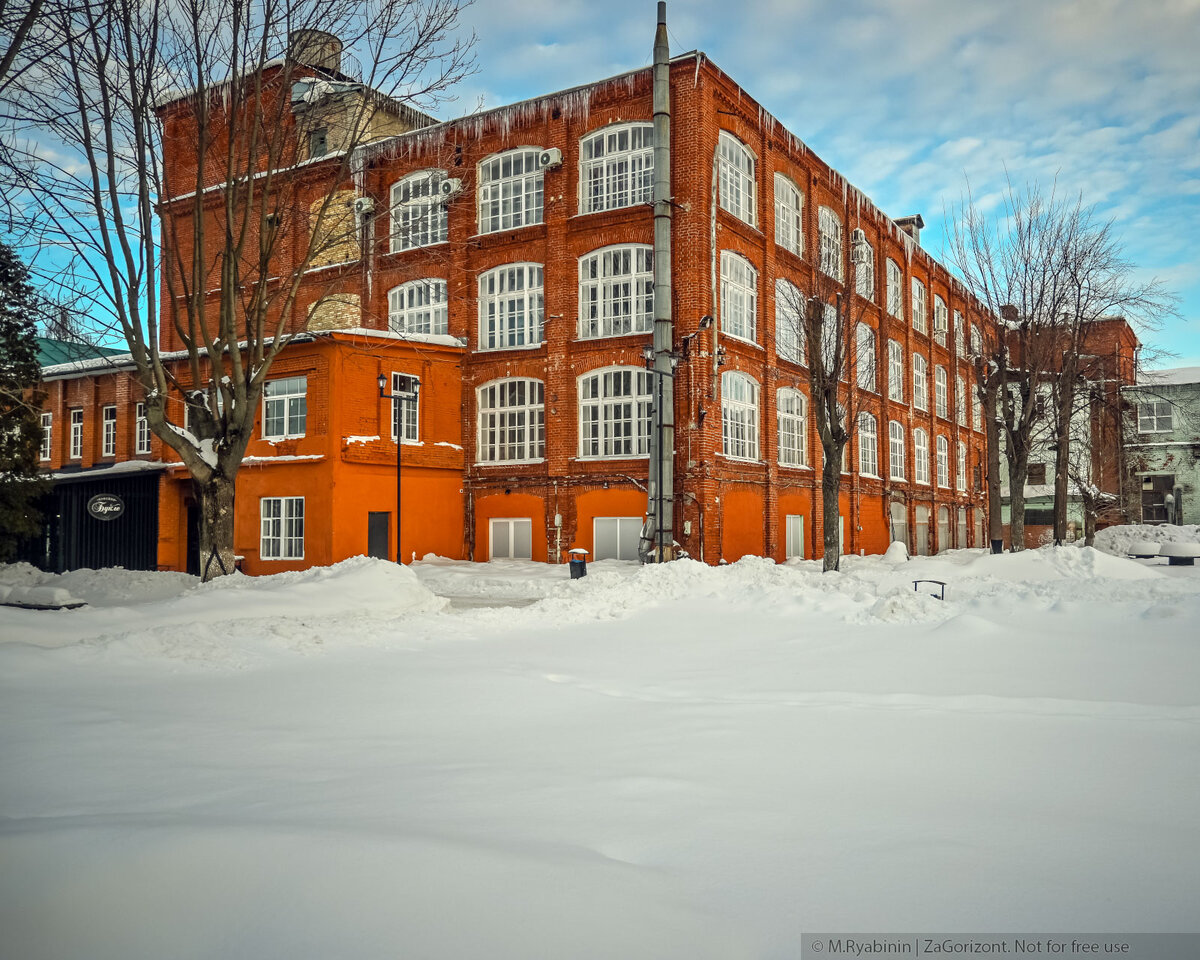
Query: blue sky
point(912, 99)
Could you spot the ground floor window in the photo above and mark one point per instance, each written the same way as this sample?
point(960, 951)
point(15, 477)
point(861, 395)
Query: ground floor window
point(921, 540)
point(943, 532)
point(962, 527)
point(282, 528)
point(978, 527)
point(793, 525)
point(616, 538)
point(511, 539)
point(899, 522)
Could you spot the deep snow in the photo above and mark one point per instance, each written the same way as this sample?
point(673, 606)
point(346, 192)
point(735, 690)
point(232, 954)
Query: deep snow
point(490, 760)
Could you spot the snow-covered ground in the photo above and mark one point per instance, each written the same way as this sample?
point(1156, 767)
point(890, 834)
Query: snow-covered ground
point(493, 761)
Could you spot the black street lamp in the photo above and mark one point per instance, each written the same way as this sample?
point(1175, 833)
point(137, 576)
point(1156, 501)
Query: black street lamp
point(405, 387)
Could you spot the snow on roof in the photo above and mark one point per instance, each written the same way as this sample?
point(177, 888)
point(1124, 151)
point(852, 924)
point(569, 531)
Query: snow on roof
point(1170, 376)
point(127, 466)
point(435, 339)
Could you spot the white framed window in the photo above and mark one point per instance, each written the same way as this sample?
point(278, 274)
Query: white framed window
point(406, 411)
point(616, 538)
point(896, 450)
point(960, 400)
point(976, 341)
point(47, 450)
point(961, 532)
point(960, 334)
point(739, 297)
point(943, 531)
point(960, 472)
point(285, 408)
point(919, 320)
point(419, 216)
point(1154, 416)
point(941, 400)
point(868, 445)
point(735, 170)
point(793, 533)
point(976, 411)
point(920, 382)
point(895, 370)
point(898, 516)
point(920, 456)
point(616, 291)
point(789, 211)
point(512, 421)
point(864, 270)
point(895, 289)
point(76, 434)
point(789, 322)
point(282, 528)
point(108, 435)
point(829, 226)
point(616, 167)
point(793, 428)
point(941, 320)
point(511, 306)
point(943, 462)
point(510, 538)
point(739, 416)
point(419, 306)
point(614, 412)
point(141, 433)
point(864, 359)
point(921, 530)
point(510, 188)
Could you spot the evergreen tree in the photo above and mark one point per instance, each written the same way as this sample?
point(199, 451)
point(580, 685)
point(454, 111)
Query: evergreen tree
point(20, 406)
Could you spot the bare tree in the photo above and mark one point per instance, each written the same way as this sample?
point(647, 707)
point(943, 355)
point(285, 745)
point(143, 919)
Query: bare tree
point(262, 101)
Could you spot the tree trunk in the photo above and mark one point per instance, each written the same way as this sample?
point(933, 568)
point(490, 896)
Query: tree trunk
point(1062, 458)
point(831, 481)
point(1089, 522)
point(991, 400)
point(215, 499)
point(1018, 472)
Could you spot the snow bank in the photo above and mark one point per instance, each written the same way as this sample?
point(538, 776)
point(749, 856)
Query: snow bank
point(1118, 540)
point(1059, 563)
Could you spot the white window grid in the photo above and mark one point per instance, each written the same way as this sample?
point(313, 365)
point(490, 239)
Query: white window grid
point(960, 473)
point(829, 226)
point(789, 210)
point(920, 382)
point(960, 334)
point(285, 408)
point(282, 528)
point(789, 323)
point(512, 306)
point(864, 270)
point(419, 306)
point(141, 431)
point(896, 450)
point(616, 291)
point(510, 190)
point(960, 401)
point(512, 421)
point(739, 297)
point(976, 341)
point(614, 412)
point(943, 462)
point(739, 416)
point(793, 428)
point(616, 167)
point(406, 412)
point(919, 321)
point(76, 434)
point(895, 290)
point(868, 445)
point(108, 438)
point(47, 450)
point(920, 456)
point(976, 411)
point(895, 370)
point(941, 390)
point(419, 215)
point(1154, 416)
point(864, 359)
point(735, 170)
point(941, 320)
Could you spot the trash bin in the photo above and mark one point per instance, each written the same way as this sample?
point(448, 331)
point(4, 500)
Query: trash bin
point(997, 546)
point(578, 562)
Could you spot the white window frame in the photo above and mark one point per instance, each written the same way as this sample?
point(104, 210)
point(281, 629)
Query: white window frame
point(1155, 416)
point(76, 448)
point(896, 452)
point(419, 219)
point(789, 327)
point(108, 430)
point(868, 445)
point(512, 430)
point(510, 191)
point(735, 172)
point(789, 215)
point(512, 307)
point(864, 270)
point(615, 406)
point(616, 167)
point(920, 368)
point(864, 356)
point(920, 322)
point(792, 410)
point(976, 410)
point(960, 473)
point(896, 371)
point(739, 297)
point(829, 228)
point(628, 537)
point(960, 400)
point(739, 416)
point(895, 289)
point(419, 306)
point(285, 408)
point(920, 457)
point(616, 291)
point(141, 430)
point(281, 533)
point(47, 450)
point(941, 392)
point(976, 341)
point(941, 320)
point(960, 334)
point(943, 461)
point(512, 526)
point(793, 536)
point(406, 409)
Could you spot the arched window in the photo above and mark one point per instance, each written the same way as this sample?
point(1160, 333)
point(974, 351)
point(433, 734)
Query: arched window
point(896, 450)
point(739, 416)
point(789, 322)
point(919, 320)
point(868, 446)
point(921, 544)
point(920, 382)
point(899, 522)
point(418, 306)
point(864, 359)
point(943, 532)
point(895, 370)
point(960, 335)
point(941, 320)
point(616, 291)
point(960, 400)
point(511, 306)
point(419, 217)
point(864, 269)
point(789, 208)
point(735, 168)
point(510, 189)
point(940, 391)
point(512, 421)
point(793, 428)
point(739, 296)
point(920, 456)
point(614, 412)
point(943, 462)
point(895, 289)
point(960, 472)
point(829, 226)
point(616, 167)
point(976, 341)
point(962, 528)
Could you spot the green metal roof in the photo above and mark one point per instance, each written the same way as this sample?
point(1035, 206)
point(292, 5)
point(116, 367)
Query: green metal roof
point(51, 352)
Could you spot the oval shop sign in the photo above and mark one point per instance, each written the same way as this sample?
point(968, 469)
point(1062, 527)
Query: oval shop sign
point(106, 506)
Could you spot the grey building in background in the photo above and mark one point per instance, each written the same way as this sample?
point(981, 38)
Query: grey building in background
point(1163, 446)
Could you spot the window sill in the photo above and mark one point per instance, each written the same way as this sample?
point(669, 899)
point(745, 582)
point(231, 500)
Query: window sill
point(521, 348)
point(503, 230)
point(749, 343)
point(280, 438)
point(733, 459)
point(613, 336)
point(425, 246)
point(796, 466)
point(508, 463)
point(611, 458)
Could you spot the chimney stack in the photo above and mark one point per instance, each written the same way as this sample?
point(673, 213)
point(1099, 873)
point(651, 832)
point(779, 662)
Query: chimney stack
point(912, 226)
point(316, 48)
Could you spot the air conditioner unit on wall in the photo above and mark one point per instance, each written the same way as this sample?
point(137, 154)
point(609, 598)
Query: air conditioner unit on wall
point(451, 187)
point(364, 206)
point(550, 159)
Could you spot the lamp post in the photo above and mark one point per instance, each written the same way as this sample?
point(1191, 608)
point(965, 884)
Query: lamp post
point(651, 357)
point(405, 387)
